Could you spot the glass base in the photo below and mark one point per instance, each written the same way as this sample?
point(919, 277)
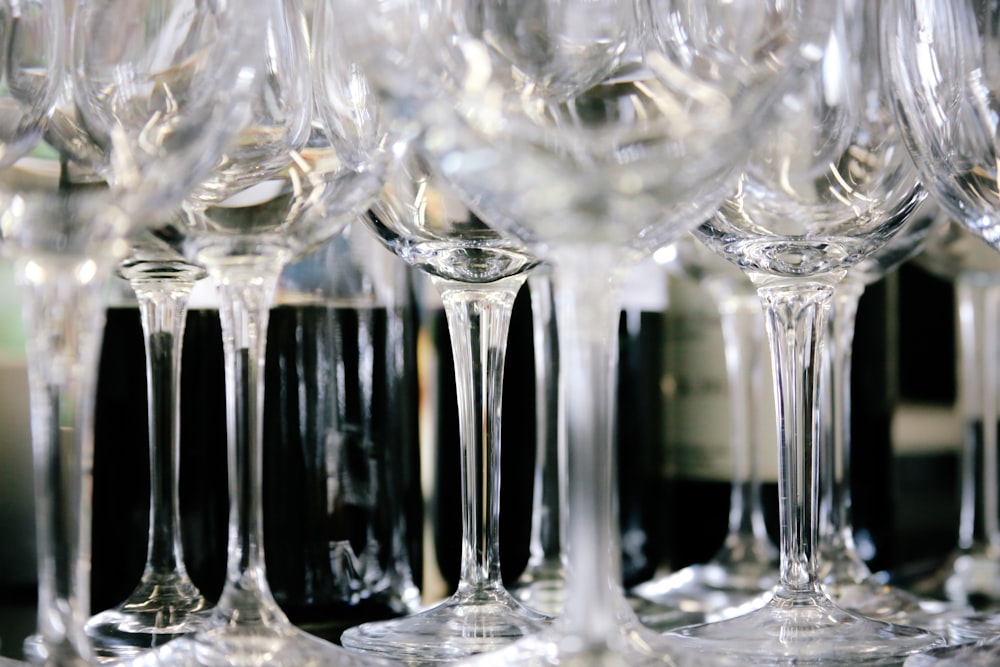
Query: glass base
point(883, 602)
point(628, 644)
point(251, 647)
point(713, 591)
point(663, 617)
point(542, 589)
point(974, 627)
point(976, 654)
point(805, 629)
point(459, 627)
point(159, 610)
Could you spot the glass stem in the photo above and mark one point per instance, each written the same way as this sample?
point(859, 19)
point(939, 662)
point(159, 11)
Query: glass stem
point(163, 308)
point(794, 315)
point(588, 306)
point(479, 321)
point(978, 297)
point(545, 548)
point(64, 320)
point(742, 333)
point(836, 524)
point(246, 293)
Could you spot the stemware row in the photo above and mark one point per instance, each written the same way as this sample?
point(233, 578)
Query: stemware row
point(483, 143)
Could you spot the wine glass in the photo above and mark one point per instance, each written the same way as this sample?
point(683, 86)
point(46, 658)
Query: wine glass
point(165, 602)
point(843, 574)
point(32, 74)
point(968, 575)
point(831, 186)
point(741, 574)
point(309, 161)
point(542, 584)
point(478, 275)
point(64, 242)
point(940, 62)
point(592, 166)
point(66, 237)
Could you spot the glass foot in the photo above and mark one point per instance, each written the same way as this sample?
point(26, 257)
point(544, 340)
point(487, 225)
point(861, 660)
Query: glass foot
point(714, 592)
point(663, 617)
point(542, 588)
point(458, 627)
point(974, 627)
point(975, 654)
point(158, 611)
point(806, 630)
point(545, 595)
point(251, 647)
point(892, 604)
point(629, 644)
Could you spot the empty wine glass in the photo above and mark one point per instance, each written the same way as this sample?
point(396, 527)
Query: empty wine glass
point(831, 185)
point(941, 62)
point(32, 73)
point(165, 603)
point(65, 242)
point(741, 574)
point(478, 275)
point(969, 575)
point(844, 576)
point(309, 161)
point(562, 128)
point(542, 584)
point(67, 237)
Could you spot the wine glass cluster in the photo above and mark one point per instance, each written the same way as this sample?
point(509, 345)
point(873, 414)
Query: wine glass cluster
point(781, 150)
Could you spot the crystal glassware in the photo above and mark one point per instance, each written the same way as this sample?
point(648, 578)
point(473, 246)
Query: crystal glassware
point(829, 188)
point(165, 603)
point(938, 60)
point(741, 574)
point(66, 236)
point(843, 573)
point(309, 160)
point(568, 129)
point(478, 275)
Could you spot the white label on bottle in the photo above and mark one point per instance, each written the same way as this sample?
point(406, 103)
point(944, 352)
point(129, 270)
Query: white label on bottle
point(695, 387)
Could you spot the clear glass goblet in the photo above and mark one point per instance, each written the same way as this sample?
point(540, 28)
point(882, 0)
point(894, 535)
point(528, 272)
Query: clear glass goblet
point(830, 186)
point(741, 574)
point(939, 60)
point(969, 575)
point(32, 74)
point(478, 275)
point(591, 174)
point(844, 575)
point(542, 584)
point(65, 242)
point(308, 163)
point(66, 237)
point(147, 110)
point(165, 603)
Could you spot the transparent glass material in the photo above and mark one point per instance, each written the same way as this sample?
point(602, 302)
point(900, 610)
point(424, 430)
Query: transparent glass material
point(843, 573)
point(969, 575)
point(477, 274)
point(938, 60)
point(831, 185)
point(162, 102)
point(307, 162)
point(741, 574)
point(542, 585)
point(165, 603)
point(32, 73)
point(594, 133)
point(65, 242)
